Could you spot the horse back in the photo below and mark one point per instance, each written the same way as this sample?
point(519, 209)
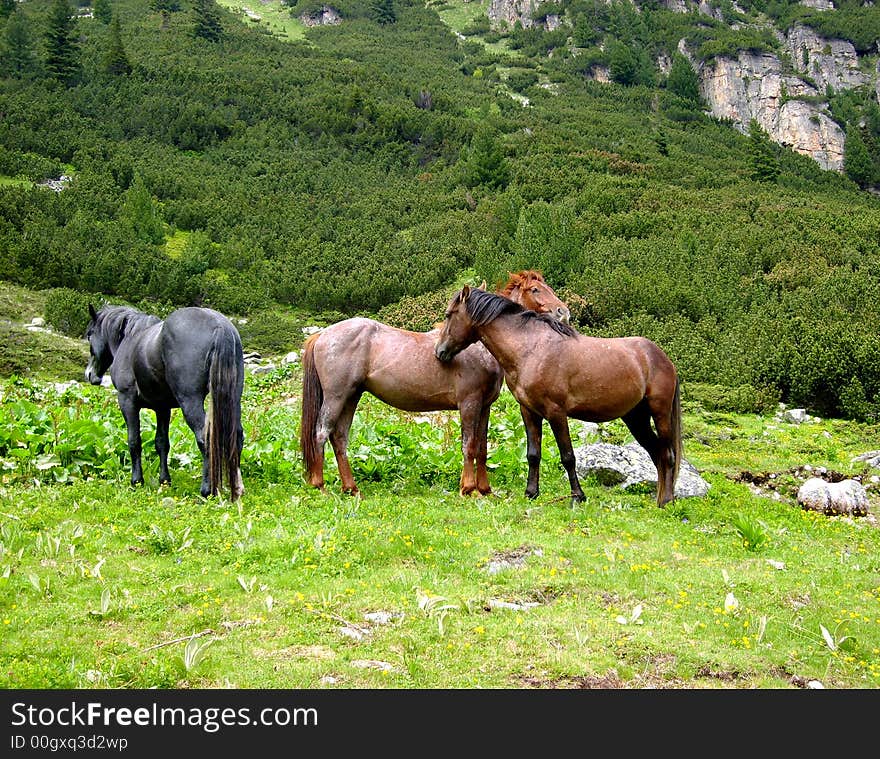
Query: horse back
point(399, 366)
point(186, 344)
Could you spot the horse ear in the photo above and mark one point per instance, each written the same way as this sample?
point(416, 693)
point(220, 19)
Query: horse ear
point(482, 286)
point(92, 312)
point(463, 295)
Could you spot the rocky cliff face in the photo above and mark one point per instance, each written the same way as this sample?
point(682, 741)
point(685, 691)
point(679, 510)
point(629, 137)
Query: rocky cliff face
point(784, 98)
point(829, 63)
point(753, 86)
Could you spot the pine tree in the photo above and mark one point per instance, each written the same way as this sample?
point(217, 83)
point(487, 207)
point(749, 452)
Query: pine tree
point(682, 80)
point(382, 11)
point(485, 163)
point(18, 55)
point(116, 61)
point(103, 11)
point(61, 44)
point(857, 163)
point(206, 20)
point(765, 166)
point(623, 65)
point(140, 212)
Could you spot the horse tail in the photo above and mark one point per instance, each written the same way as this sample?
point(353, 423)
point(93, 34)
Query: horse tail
point(676, 429)
point(224, 438)
point(312, 398)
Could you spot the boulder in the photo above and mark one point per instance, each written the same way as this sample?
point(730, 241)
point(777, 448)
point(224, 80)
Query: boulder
point(831, 498)
point(630, 464)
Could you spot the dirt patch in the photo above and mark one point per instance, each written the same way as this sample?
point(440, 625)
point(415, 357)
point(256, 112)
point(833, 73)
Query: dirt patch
point(511, 558)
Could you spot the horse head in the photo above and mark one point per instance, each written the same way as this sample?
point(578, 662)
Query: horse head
point(100, 352)
point(529, 289)
point(457, 330)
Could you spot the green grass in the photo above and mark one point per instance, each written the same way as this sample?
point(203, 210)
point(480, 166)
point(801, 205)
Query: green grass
point(275, 17)
point(14, 182)
point(102, 585)
point(175, 244)
point(459, 14)
point(34, 354)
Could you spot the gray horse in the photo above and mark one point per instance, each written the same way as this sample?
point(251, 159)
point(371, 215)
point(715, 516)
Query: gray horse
point(175, 363)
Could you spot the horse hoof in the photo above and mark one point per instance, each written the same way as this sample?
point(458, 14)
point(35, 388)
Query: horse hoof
point(531, 496)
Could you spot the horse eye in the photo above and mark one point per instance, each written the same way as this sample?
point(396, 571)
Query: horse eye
point(534, 290)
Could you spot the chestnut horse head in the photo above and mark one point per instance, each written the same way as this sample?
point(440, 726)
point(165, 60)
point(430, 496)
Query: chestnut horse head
point(531, 291)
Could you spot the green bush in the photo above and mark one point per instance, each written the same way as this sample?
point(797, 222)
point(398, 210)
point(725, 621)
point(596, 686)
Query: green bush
point(744, 399)
point(68, 311)
point(418, 313)
point(274, 331)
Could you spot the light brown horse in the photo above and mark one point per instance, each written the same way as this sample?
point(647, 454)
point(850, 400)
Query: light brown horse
point(399, 367)
point(556, 373)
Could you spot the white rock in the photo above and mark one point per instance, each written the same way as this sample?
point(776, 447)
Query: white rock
point(844, 497)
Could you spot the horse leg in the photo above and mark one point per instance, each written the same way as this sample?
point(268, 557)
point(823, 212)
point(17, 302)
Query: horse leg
point(483, 451)
point(666, 459)
point(559, 425)
point(163, 421)
point(338, 422)
point(470, 419)
point(132, 414)
point(639, 423)
point(238, 486)
point(534, 431)
point(193, 409)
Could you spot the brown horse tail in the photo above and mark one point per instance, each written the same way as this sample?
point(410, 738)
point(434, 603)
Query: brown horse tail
point(676, 430)
point(223, 431)
point(312, 398)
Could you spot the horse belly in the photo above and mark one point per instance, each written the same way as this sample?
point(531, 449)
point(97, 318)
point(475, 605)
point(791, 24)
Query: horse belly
point(412, 393)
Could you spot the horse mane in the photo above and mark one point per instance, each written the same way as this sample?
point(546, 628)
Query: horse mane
point(483, 307)
point(124, 320)
point(519, 279)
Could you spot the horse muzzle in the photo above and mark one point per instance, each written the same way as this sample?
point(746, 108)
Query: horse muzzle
point(443, 353)
point(92, 376)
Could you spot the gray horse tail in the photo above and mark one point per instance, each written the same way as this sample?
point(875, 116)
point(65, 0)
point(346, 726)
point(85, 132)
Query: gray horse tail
point(224, 436)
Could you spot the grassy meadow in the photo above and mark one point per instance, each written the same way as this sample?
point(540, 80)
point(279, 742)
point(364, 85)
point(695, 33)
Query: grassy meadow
point(412, 586)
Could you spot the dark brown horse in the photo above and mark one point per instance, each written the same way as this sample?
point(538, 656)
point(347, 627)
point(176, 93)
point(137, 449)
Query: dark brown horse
point(556, 373)
point(397, 366)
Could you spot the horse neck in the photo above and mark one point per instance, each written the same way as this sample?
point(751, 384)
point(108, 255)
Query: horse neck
point(504, 339)
point(134, 323)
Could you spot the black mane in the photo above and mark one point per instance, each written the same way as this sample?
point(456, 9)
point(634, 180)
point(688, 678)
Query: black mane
point(483, 307)
point(123, 320)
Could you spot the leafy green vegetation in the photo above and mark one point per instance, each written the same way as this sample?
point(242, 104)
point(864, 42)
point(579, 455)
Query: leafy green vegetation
point(295, 588)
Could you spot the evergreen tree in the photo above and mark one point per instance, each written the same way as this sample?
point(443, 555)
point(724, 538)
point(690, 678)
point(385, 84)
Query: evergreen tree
point(857, 163)
point(18, 55)
point(140, 212)
point(682, 80)
point(485, 163)
point(765, 166)
point(61, 44)
point(623, 65)
point(116, 61)
point(382, 11)
point(103, 11)
point(6, 8)
point(206, 20)
point(661, 142)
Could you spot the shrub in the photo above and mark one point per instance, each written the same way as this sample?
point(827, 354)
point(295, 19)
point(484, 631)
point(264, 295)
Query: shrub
point(744, 399)
point(419, 313)
point(68, 311)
